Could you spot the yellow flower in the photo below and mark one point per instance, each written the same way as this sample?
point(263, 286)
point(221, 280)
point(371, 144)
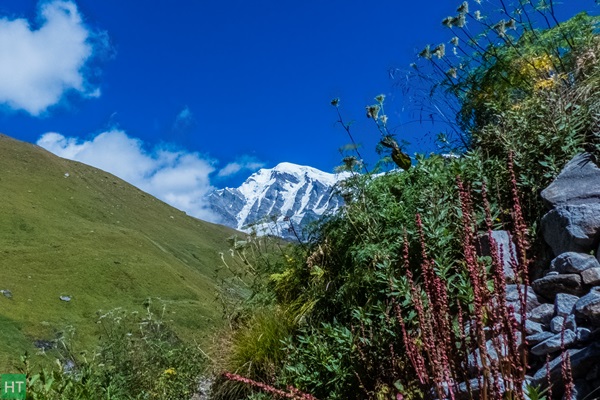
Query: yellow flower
point(170, 372)
point(543, 84)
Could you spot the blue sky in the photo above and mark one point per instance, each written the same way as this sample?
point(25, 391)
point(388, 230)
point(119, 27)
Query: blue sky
point(179, 97)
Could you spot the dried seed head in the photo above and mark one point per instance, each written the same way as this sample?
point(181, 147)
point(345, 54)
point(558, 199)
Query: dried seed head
point(439, 51)
point(448, 22)
point(373, 111)
point(500, 27)
point(426, 53)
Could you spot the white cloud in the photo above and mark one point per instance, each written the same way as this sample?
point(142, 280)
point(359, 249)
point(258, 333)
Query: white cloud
point(243, 163)
point(38, 66)
point(177, 177)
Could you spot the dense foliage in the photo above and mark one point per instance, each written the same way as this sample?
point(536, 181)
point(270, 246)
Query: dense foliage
point(524, 88)
point(138, 357)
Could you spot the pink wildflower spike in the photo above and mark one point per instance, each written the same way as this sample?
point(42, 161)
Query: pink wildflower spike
point(292, 393)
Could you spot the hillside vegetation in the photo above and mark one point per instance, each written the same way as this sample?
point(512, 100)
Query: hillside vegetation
point(72, 230)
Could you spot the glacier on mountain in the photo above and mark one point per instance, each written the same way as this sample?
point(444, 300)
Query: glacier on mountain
point(272, 200)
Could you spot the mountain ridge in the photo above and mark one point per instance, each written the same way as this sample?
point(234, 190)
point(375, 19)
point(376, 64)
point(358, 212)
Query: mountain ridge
point(273, 198)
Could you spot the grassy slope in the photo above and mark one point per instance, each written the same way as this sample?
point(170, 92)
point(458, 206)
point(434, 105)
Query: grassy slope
point(100, 240)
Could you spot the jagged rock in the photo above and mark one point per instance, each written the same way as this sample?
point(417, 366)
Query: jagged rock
point(583, 334)
point(532, 340)
point(582, 360)
point(574, 222)
point(589, 306)
point(531, 328)
point(556, 324)
point(549, 286)
point(542, 313)
point(559, 323)
point(512, 298)
point(572, 228)
point(564, 304)
point(472, 391)
point(574, 263)
point(591, 276)
point(492, 346)
point(505, 248)
point(576, 184)
point(554, 343)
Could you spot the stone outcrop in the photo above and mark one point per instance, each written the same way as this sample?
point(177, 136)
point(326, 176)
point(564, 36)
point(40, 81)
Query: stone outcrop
point(570, 290)
point(562, 308)
point(573, 222)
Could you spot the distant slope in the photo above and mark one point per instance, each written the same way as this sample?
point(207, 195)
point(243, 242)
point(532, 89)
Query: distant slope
point(70, 229)
point(272, 198)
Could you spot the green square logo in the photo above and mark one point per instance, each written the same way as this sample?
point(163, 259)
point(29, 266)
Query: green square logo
point(12, 386)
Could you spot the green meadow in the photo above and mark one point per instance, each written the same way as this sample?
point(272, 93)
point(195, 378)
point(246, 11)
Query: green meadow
point(67, 229)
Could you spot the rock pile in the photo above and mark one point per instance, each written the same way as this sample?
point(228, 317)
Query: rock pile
point(568, 317)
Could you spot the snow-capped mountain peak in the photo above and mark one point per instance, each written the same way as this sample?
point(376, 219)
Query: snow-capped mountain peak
point(270, 199)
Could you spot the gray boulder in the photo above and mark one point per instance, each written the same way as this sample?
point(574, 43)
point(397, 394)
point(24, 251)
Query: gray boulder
point(559, 323)
point(504, 247)
point(531, 328)
point(497, 349)
point(572, 228)
point(532, 340)
point(513, 299)
point(550, 285)
point(583, 334)
point(582, 361)
point(588, 306)
point(564, 304)
point(573, 263)
point(578, 183)
point(554, 343)
point(542, 313)
point(591, 276)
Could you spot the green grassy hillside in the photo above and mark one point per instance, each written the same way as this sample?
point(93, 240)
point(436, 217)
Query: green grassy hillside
point(67, 229)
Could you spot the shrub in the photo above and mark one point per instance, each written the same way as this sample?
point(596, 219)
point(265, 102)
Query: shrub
point(139, 357)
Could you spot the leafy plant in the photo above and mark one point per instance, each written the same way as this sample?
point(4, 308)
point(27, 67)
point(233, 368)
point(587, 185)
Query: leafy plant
point(139, 356)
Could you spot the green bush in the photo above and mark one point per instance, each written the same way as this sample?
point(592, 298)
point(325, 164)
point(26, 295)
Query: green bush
point(138, 357)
